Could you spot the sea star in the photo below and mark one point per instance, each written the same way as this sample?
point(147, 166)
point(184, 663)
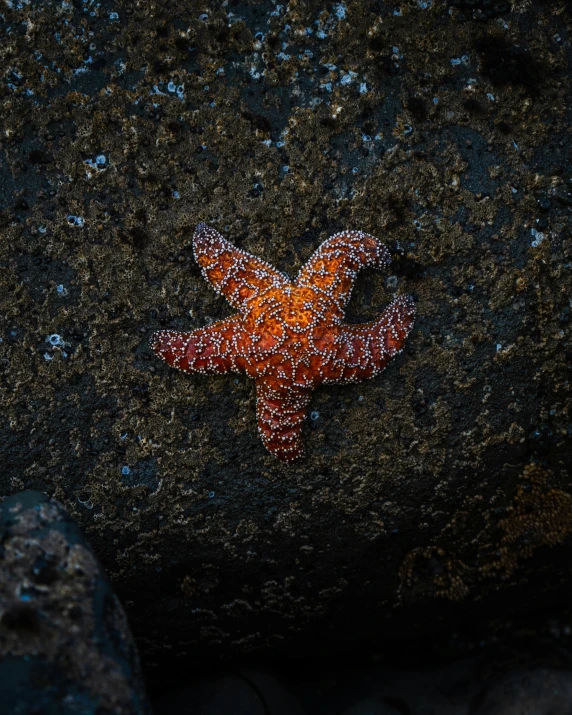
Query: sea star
point(288, 336)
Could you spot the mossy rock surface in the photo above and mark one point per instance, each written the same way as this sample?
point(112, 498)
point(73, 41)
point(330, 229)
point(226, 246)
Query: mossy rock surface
point(436, 492)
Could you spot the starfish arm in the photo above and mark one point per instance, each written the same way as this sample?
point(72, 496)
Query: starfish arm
point(238, 275)
point(363, 351)
point(219, 348)
point(280, 416)
point(334, 265)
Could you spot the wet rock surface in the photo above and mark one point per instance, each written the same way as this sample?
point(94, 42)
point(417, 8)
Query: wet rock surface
point(432, 496)
point(65, 646)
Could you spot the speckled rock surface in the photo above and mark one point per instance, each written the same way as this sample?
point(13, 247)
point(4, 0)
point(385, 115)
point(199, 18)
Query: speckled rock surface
point(65, 647)
point(437, 492)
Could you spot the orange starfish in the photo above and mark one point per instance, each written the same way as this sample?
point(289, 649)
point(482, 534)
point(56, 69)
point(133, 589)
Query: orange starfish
point(288, 336)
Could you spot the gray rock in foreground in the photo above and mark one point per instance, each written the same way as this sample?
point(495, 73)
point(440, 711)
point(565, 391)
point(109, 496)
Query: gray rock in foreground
point(65, 647)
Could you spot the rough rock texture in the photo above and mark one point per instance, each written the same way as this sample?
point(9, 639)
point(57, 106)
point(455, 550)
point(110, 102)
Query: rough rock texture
point(65, 647)
point(496, 681)
point(437, 492)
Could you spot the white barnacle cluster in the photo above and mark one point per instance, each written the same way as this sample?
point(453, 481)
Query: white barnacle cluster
point(96, 165)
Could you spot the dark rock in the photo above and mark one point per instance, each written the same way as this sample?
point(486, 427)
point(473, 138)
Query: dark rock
point(427, 506)
point(65, 646)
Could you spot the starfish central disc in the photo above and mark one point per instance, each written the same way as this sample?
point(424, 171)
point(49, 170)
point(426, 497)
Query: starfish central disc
point(289, 336)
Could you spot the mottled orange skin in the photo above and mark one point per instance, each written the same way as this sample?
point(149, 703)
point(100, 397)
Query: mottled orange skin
point(287, 336)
